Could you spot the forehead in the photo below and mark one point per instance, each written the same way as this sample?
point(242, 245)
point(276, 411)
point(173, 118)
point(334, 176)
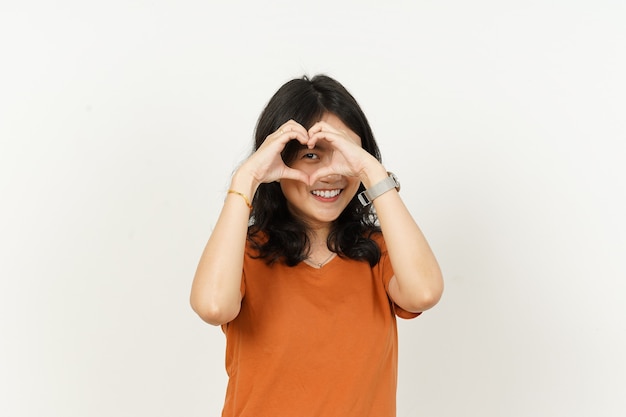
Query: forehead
point(336, 122)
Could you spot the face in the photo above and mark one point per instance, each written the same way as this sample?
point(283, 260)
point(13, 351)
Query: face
point(321, 203)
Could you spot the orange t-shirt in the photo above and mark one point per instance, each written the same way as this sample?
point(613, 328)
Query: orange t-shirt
point(313, 342)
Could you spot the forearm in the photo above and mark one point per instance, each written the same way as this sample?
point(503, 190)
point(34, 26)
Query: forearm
point(215, 292)
point(418, 282)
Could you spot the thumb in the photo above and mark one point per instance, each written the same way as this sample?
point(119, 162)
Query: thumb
point(321, 173)
point(295, 174)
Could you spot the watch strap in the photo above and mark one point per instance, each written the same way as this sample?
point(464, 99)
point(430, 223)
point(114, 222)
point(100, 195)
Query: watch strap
point(375, 191)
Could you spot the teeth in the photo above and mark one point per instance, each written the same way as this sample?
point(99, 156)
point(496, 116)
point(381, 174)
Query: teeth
point(326, 193)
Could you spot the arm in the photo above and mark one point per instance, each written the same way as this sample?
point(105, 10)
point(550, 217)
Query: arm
point(215, 291)
point(418, 283)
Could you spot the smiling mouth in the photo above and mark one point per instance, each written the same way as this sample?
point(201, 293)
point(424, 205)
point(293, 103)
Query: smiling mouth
point(326, 193)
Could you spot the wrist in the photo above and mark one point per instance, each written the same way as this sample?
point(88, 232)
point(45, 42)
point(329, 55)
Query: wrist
point(244, 182)
point(373, 175)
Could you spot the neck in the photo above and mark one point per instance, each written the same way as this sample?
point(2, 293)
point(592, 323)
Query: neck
point(318, 237)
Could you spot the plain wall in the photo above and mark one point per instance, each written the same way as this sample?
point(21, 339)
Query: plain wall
point(122, 121)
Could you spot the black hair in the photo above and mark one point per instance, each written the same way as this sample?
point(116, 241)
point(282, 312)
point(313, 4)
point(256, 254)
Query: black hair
point(274, 232)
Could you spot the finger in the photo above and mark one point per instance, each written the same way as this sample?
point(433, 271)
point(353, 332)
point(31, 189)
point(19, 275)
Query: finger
point(321, 126)
point(337, 140)
point(301, 137)
point(285, 136)
point(321, 173)
point(292, 126)
point(295, 174)
point(327, 172)
point(319, 129)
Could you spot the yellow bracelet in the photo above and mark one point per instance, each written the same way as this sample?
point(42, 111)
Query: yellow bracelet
point(242, 195)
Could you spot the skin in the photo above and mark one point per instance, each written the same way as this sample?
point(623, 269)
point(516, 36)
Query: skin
point(317, 159)
point(332, 160)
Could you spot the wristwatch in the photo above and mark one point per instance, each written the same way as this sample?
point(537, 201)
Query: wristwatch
point(367, 196)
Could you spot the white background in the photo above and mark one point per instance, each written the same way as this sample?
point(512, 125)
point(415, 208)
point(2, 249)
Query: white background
point(122, 121)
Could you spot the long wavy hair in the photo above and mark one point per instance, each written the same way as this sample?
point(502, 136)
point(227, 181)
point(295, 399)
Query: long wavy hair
point(274, 232)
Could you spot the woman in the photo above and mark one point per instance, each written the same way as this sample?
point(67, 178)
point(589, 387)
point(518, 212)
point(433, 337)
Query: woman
point(312, 258)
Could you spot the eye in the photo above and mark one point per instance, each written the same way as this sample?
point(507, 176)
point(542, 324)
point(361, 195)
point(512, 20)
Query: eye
point(310, 155)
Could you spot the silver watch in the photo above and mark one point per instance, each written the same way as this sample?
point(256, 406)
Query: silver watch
point(367, 196)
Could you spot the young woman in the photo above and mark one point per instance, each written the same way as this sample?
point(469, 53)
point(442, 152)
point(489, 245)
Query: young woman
point(312, 258)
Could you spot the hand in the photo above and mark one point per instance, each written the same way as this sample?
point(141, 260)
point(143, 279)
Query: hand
point(348, 157)
point(266, 164)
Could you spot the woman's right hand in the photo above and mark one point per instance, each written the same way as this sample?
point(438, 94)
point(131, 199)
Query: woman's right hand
point(266, 164)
